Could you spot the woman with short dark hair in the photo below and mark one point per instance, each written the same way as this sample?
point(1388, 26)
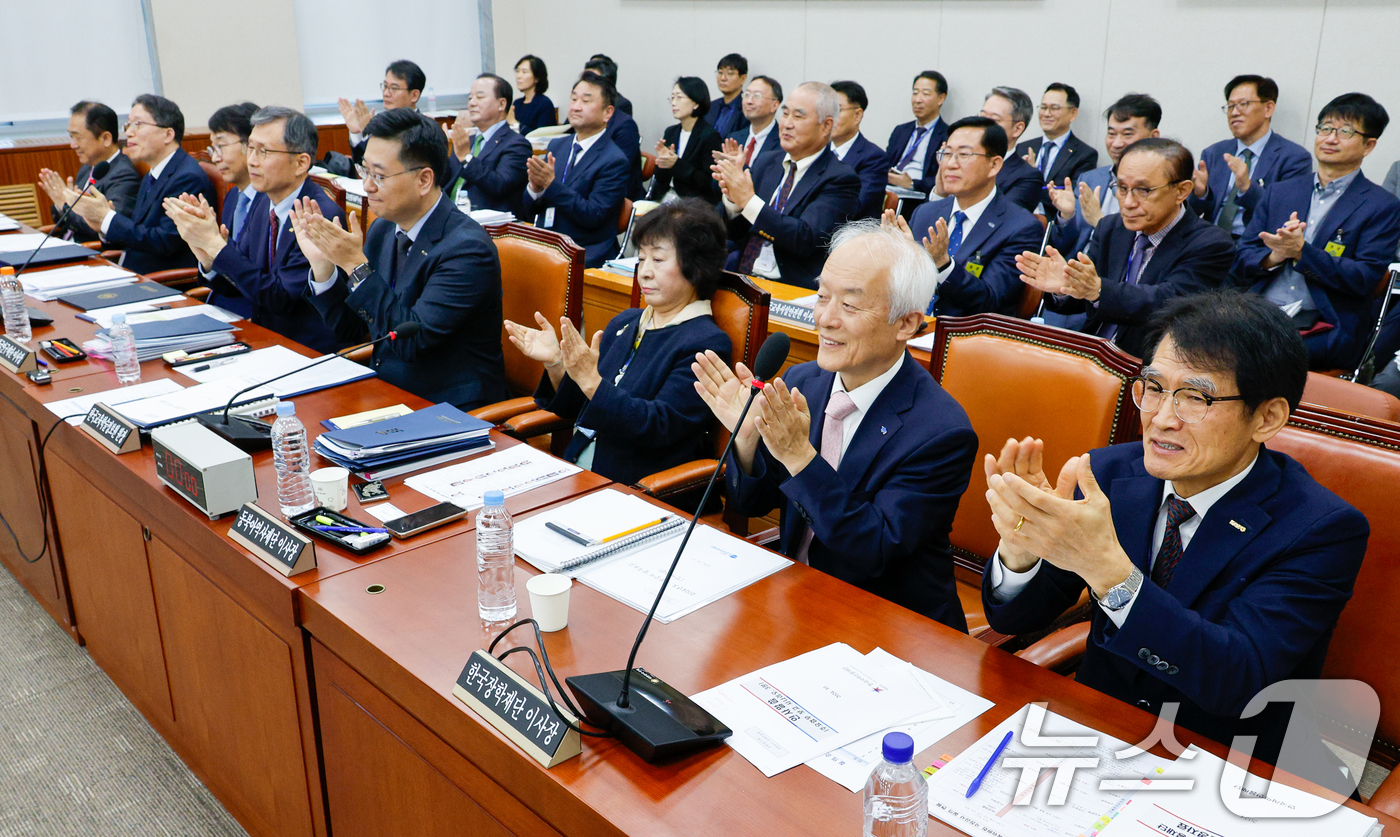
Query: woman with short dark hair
point(630, 392)
point(533, 109)
point(683, 155)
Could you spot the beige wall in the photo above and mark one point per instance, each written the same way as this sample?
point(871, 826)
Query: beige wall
point(198, 44)
point(1181, 51)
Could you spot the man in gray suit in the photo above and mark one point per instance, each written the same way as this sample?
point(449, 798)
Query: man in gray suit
point(92, 134)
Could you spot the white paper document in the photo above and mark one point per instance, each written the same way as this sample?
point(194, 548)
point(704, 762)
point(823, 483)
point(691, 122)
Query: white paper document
point(850, 766)
point(1054, 802)
point(793, 711)
point(511, 471)
point(28, 241)
point(7, 223)
point(47, 285)
point(112, 397)
point(149, 412)
point(265, 364)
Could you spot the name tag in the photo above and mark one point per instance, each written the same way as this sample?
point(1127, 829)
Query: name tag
point(974, 268)
point(549, 218)
point(766, 262)
point(1335, 248)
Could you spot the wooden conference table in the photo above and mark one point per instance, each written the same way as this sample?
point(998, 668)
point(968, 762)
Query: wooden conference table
point(310, 705)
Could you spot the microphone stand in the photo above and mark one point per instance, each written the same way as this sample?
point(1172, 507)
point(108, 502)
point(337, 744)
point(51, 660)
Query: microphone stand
point(1049, 225)
point(67, 210)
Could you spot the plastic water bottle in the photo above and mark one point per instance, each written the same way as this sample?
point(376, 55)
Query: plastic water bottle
point(495, 560)
point(464, 201)
point(123, 342)
point(432, 102)
point(16, 313)
point(896, 797)
point(292, 458)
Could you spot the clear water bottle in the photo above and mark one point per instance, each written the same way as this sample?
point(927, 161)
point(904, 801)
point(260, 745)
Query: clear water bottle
point(292, 457)
point(123, 342)
point(464, 200)
point(495, 560)
point(896, 797)
point(16, 313)
point(432, 101)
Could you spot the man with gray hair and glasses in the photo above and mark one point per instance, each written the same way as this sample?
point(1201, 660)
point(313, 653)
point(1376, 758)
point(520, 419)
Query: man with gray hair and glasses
point(266, 265)
point(1018, 180)
point(783, 209)
point(864, 452)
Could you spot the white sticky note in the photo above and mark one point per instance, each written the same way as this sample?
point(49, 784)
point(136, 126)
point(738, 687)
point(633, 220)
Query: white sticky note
point(386, 512)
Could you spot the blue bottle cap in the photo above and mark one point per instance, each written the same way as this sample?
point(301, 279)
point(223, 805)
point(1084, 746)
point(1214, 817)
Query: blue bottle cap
point(118, 319)
point(286, 408)
point(494, 498)
point(898, 748)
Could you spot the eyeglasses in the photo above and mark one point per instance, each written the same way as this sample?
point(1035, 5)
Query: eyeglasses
point(258, 153)
point(390, 88)
point(133, 125)
point(678, 97)
point(1343, 131)
point(376, 178)
point(216, 151)
point(1142, 193)
point(1189, 403)
point(1052, 108)
point(962, 155)
point(727, 73)
point(1239, 107)
point(754, 96)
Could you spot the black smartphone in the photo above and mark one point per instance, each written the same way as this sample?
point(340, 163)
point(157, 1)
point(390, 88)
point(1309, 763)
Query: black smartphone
point(419, 521)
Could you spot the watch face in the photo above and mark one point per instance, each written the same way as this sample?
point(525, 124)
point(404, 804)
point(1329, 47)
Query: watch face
point(1117, 597)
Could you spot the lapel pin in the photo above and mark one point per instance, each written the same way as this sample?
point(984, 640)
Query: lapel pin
point(882, 430)
point(424, 252)
point(1238, 525)
point(620, 331)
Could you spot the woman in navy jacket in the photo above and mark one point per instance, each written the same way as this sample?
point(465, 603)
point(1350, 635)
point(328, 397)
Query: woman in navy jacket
point(631, 393)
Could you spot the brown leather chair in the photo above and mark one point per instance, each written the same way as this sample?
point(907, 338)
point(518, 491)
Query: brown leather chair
point(648, 165)
point(1353, 399)
point(541, 271)
point(624, 218)
point(333, 189)
point(187, 278)
point(740, 309)
point(1066, 388)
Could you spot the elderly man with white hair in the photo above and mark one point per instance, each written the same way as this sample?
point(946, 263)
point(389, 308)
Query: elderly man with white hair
point(782, 210)
point(868, 490)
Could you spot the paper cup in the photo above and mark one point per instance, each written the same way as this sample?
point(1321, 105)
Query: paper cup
point(549, 600)
point(331, 487)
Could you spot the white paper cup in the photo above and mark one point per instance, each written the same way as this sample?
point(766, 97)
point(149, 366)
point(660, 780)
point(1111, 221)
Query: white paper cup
point(331, 487)
point(549, 600)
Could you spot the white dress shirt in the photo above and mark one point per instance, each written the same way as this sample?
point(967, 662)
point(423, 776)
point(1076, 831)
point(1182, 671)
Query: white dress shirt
point(1006, 583)
point(766, 265)
point(758, 140)
point(844, 147)
point(156, 171)
point(863, 397)
point(583, 146)
point(919, 164)
point(1051, 148)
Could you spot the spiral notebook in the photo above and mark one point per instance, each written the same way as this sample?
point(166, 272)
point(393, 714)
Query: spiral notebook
point(603, 524)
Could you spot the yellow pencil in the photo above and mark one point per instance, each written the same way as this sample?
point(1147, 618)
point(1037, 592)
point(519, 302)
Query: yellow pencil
point(635, 530)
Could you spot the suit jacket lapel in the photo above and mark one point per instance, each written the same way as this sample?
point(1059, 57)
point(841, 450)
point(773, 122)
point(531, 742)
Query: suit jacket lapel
point(1062, 160)
point(985, 227)
point(428, 237)
point(810, 180)
point(1135, 501)
point(1167, 250)
point(879, 424)
point(1350, 201)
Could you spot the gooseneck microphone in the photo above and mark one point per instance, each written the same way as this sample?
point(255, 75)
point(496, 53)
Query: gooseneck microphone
point(253, 435)
point(665, 722)
point(98, 172)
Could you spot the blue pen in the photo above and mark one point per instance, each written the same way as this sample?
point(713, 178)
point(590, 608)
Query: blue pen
point(977, 783)
point(366, 530)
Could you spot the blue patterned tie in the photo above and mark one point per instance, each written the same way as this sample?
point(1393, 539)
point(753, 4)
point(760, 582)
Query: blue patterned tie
point(956, 236)
point(569, 164)
point(1178, 512)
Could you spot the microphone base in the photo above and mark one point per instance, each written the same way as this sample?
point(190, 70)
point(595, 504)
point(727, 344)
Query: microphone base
point(658, 723)
point(246, 434)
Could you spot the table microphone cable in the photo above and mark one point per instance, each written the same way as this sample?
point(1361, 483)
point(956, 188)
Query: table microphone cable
point(43, 497)
point(539, 640)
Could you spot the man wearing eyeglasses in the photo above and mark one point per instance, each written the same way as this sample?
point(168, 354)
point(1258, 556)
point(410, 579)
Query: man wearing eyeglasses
point(421, 261)
point(759, 140)
point(1058, 154)
point(1150, 251)
point(154, 130)
point(1317, 245)
point(1217, 566)
point(404, 82)
point(1233, 173)
point(264, 268)
point(229, 128)
point(92, 134)
point(727, 110)
point(974, 234)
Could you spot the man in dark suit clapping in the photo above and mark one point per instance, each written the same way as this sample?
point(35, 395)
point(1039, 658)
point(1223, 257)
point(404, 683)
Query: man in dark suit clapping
point(92, 134)
point(489, 163)
point(1059, 154)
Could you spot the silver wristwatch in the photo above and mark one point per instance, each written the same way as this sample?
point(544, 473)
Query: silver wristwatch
point(1120, 594)
point(359, 275)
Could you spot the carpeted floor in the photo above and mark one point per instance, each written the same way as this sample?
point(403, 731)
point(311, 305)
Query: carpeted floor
point(76, 758)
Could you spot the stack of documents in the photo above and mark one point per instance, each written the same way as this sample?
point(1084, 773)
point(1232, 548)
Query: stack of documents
point(274, 361)
point(622, 267)
point(154, 339)
point(38, 248)
point(48, 285)
point(486, 217)
point(622, 546)
point(182, 404)
point(140, 312)
point(431, 436)
point(7, 223)
point(73, 409)
point(510, 471)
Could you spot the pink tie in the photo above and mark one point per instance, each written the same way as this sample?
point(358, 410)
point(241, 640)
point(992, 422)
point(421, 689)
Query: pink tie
point(837, 409)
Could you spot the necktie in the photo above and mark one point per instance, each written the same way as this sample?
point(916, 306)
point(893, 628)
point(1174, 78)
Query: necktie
point(1135, 262)
point(568, 164)
point(837, 409)
point(1229, 209)
point(754, 246)
point(913, 148)
point(1178, 512)
point(748, 151)
point(956, 236)
point(271, 239)
point(1045, 147)
point(477, 143)
point(401, 244)
point(240, 214)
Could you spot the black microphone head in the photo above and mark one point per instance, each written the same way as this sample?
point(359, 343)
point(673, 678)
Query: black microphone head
point(100, 170)
point(771, 355)
point(407, 328)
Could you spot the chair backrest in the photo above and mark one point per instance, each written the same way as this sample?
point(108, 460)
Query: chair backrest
point(891, 201)
point(740, 309)
point(221, 186)
point(1030, 301)
point(639, 208)
point(648, 165)
point(541, 271)
point(624, 218)
point(1358, 460)
point(1018, 379)
point(1353, 399)
point(336, 192)
point(20, 201)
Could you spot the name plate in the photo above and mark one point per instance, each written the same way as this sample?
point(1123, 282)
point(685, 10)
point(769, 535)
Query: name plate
point(273, 541)
point(792, 312)
point(17, 357)
point(114, 432)
point(517, 709)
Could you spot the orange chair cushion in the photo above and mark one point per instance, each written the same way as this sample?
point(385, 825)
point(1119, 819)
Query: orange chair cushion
point(537, 275)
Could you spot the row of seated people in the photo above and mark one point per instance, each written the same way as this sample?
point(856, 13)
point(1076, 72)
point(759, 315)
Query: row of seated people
point(866, 456)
